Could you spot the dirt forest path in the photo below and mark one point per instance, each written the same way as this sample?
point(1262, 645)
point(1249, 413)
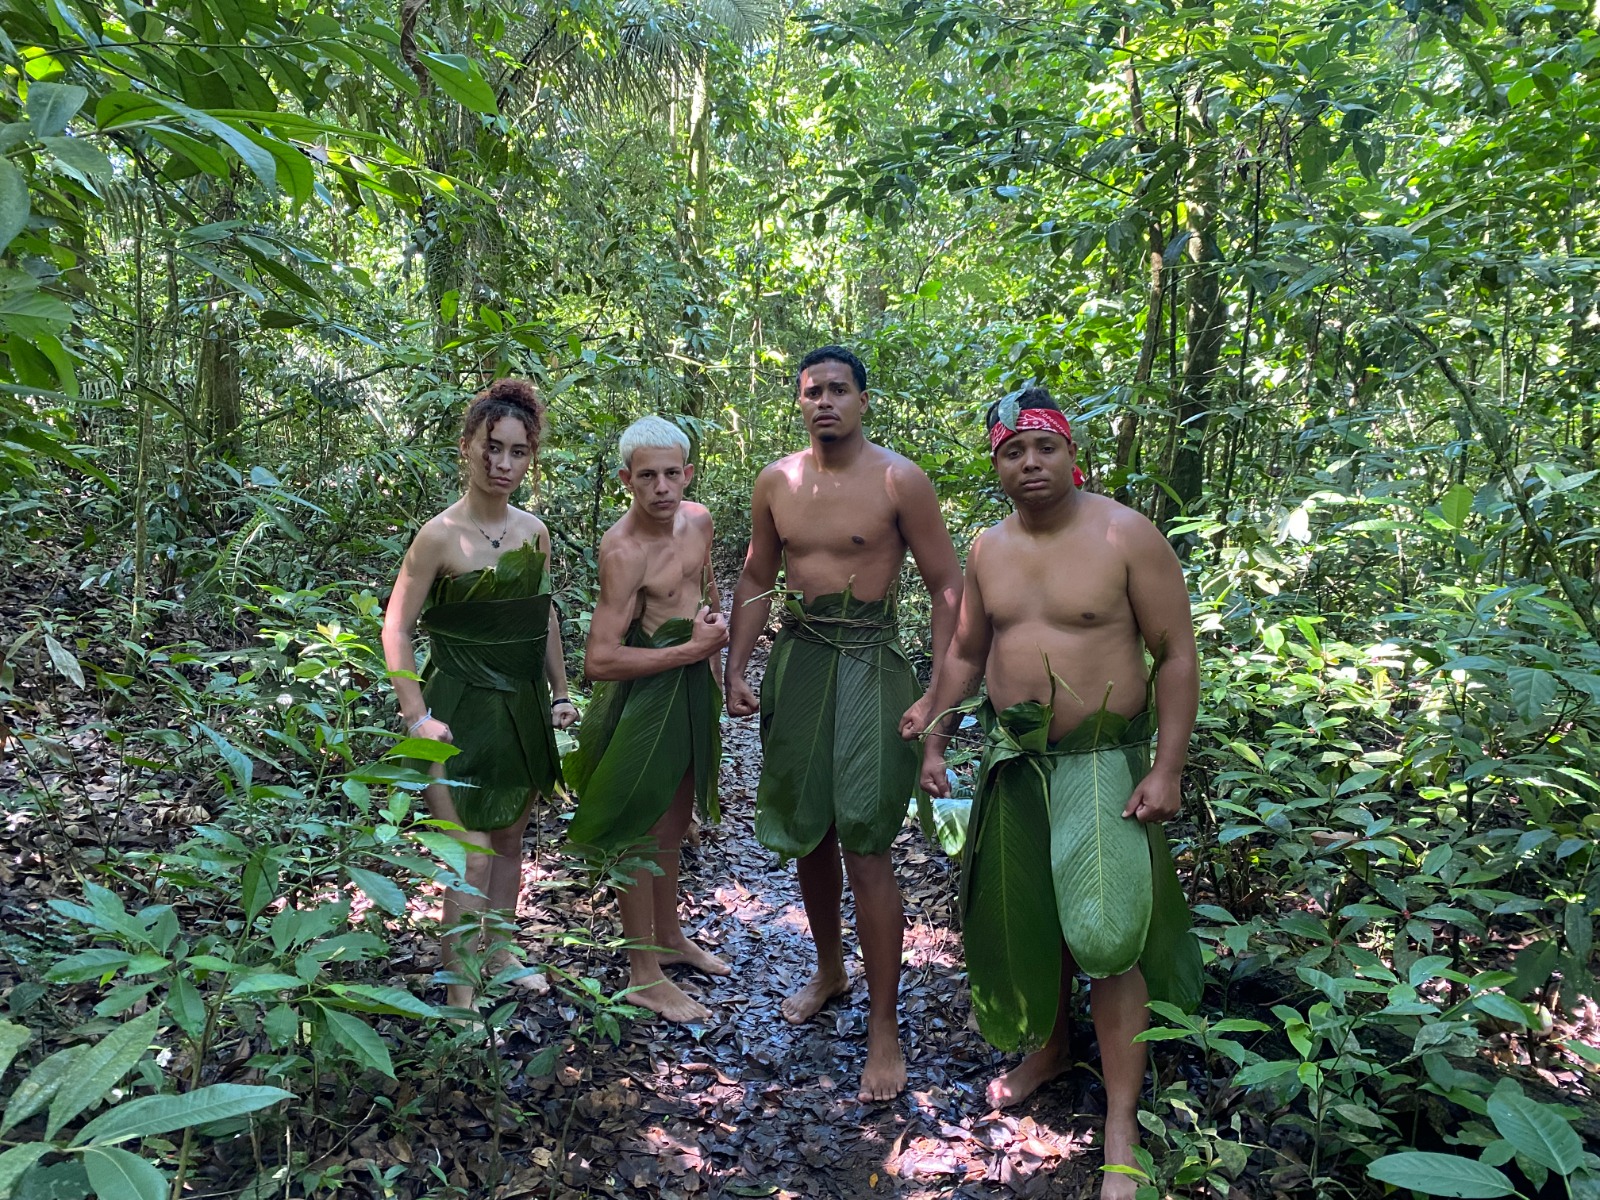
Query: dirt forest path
point(753, 1106)
point(746, 1106)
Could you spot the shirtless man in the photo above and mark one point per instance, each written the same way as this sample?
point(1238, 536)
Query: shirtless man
point(656, 633)
point(839, 517)
point(1076, 585)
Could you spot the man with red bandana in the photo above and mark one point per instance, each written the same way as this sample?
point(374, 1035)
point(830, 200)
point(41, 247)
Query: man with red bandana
point(1061, 602)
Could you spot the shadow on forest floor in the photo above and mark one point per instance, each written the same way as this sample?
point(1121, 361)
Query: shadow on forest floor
point(753, 1106)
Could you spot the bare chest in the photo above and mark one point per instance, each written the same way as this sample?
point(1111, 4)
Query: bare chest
point(674, 584)
point(840, 519)
point(1062, 585)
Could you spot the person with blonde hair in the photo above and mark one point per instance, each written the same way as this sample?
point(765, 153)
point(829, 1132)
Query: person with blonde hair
point(650, 746)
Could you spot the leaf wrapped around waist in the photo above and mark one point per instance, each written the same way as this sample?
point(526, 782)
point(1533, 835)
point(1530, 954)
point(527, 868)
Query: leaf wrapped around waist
point(497, 644)
point(639, 738)
point(836, 686)
point(840, 621)
point(1047, 838)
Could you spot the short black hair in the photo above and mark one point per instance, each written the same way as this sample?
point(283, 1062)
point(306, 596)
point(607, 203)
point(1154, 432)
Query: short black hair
point(832, 354)
point(1031, 397)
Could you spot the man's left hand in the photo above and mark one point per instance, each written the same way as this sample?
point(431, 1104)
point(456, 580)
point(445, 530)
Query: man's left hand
point(1157, 798)
point(563, 714)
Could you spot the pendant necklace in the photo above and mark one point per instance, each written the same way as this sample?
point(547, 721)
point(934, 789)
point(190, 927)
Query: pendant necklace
point(493, 541)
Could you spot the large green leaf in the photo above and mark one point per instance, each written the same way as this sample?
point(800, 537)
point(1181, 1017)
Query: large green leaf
point(14, 1164)
point(41, 1085)
point(648, 754)
point(13, 1037)
point(1100, 859)
point(1173, 967)
point(1009, 924)
point(51, 105)
point(126, 1176)
point(1440, 1175)
point(794, 803)
point(485, 679)
point(1537, 1131)
point(874, 768)
point(361, 1039)
point(101, 1068)
point(384, 892)
point(460, 79)
point(13, 203)
point(162, 1114)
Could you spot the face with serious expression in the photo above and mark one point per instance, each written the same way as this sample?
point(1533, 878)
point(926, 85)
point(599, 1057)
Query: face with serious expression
point(830, 402)
point(657, 480)
point(1035, 468)
point(498, 456)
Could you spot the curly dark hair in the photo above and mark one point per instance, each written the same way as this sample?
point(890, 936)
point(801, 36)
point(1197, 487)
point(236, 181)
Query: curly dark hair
point(506, 398)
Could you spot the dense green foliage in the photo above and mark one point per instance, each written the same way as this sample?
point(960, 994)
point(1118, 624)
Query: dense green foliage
point(1316, 279)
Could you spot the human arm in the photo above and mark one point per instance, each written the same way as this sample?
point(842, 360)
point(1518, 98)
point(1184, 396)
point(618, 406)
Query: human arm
point(923, 528)
point(752, 602)
point(606, 656)
point(563, 713)
point(962, 671)
point(418, 570)
point(1160, 600)
point(713, 594)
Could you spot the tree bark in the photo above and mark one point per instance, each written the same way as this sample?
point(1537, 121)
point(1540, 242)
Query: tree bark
point(1204, 327)
point(1128, 431)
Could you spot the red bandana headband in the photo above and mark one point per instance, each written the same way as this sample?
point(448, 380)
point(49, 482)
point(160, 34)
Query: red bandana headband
point(1045, 419)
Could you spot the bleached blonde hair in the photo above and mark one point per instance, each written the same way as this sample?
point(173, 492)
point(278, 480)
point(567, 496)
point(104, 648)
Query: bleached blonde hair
point(651, 433)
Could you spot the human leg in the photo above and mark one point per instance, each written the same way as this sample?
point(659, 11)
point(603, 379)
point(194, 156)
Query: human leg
point(1051, 1059)
point(880, 924)
point(637, 904)
point(505, 891)
point(461, 908)
point(674, 943)
point(1118, 1005)
point(821, 878)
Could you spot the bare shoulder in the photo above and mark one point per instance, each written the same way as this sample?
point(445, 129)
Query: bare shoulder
point(784, 468)
point(530, 526)
point(1127, 527)
point(431, 545)
point(906, 479)
point(698, 516)
point(988, 543)
point(619, 548)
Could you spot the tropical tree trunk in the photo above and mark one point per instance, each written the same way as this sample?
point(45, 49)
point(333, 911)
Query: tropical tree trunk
point(1204, 326)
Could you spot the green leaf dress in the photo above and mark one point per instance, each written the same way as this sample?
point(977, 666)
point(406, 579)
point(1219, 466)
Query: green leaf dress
point(836, 686)
point(1051, 857)
point(485, 679)
point(639, 738)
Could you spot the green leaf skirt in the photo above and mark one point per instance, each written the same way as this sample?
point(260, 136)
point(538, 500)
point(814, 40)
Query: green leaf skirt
point(485, 679)
point(1050, 857)
point(836, 686)
point(639, 738)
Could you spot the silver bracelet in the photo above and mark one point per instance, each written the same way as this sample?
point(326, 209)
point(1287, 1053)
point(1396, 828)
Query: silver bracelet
point(420, 721)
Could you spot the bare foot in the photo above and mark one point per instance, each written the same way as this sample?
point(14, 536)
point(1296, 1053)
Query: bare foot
point(1027, 1077)
point(693, 956)
point(809, 1000)
point(885, 1075)
point(459, 995)
point(667, 999)
point(532, 979)
point(1120, 1143)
